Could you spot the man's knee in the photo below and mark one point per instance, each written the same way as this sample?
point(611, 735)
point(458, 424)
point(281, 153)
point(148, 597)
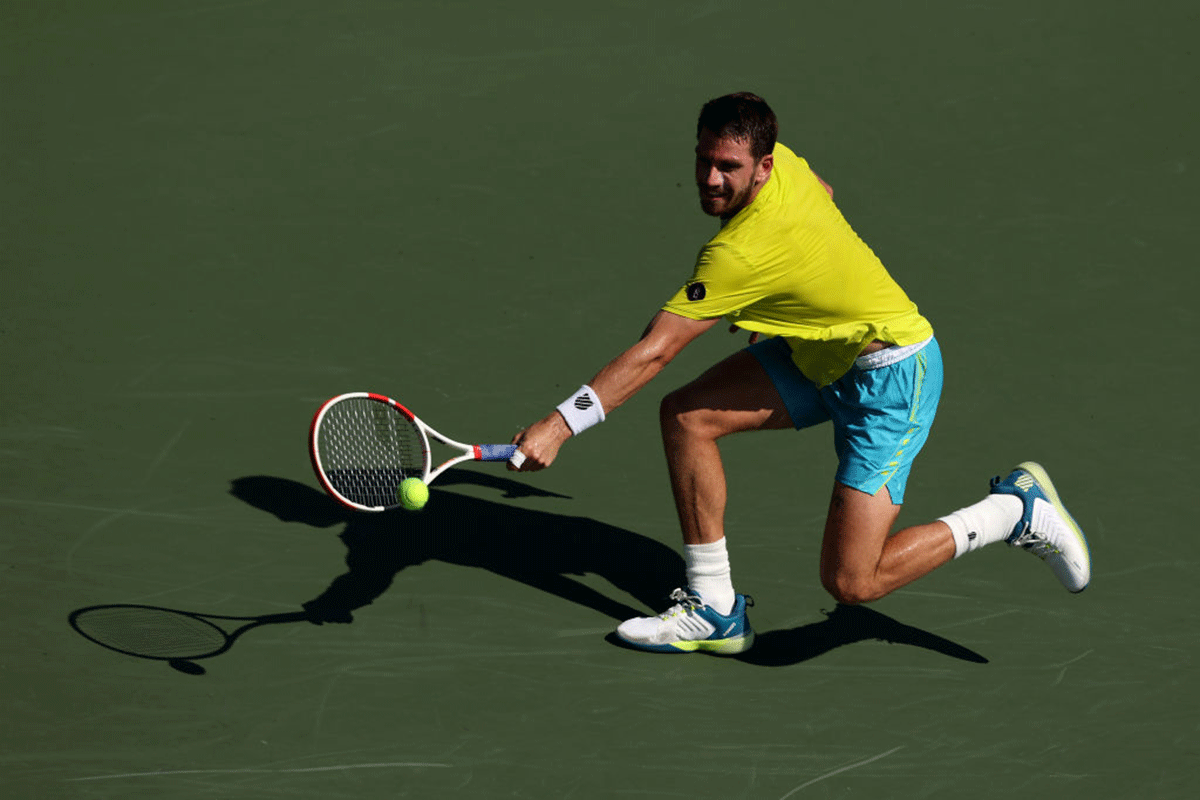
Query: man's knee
point(849, 588)
point(677, 413)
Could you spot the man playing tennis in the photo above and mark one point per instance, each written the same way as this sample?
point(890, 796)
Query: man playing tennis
point(842, 343)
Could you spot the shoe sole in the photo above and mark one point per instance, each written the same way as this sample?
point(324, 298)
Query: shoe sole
point(1047, 486)
point(721, 647)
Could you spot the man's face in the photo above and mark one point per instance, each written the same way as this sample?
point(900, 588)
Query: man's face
point(727, 175)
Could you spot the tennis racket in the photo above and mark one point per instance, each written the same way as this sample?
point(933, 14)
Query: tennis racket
point(363, 445)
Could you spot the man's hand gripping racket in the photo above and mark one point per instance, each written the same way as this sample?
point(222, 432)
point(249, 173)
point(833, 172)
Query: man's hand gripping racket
point(363, 445)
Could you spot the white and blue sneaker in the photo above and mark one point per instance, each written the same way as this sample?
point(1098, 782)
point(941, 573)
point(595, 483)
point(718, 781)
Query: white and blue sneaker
point(1046, 529)
point(691, 625)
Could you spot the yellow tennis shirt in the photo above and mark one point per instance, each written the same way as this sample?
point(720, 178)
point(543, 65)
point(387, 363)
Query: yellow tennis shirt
point(790, 265)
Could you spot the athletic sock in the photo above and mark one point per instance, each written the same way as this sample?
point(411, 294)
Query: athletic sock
point(708, 574)
point(990, 520)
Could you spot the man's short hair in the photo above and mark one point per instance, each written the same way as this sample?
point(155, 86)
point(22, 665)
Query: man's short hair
point(743, 117)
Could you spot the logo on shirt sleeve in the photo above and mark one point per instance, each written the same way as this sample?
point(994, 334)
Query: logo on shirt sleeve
point(695, 291)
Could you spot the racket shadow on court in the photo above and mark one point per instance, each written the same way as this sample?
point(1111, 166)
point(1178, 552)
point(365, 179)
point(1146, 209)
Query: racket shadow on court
point(536, 548)
point(180, 638)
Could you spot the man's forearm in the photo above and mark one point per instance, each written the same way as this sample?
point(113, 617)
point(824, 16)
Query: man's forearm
point(625, 375)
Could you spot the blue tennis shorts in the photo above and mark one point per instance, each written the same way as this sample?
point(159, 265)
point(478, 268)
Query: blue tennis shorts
point(882, 409)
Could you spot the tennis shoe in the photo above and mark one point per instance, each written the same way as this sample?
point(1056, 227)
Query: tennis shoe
point(1045, 528)
point(691, 625)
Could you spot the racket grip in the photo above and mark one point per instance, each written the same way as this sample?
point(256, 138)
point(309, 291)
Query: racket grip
point(494, 452)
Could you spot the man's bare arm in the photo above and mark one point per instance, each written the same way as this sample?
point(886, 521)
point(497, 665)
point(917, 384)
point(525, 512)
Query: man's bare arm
point(664, 338)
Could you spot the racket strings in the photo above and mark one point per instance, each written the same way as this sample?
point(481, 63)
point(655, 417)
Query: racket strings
point(367, 449)
point(151, 632)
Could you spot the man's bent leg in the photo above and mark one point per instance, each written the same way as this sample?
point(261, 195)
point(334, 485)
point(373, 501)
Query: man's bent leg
point(861, 562)
point(734, 395)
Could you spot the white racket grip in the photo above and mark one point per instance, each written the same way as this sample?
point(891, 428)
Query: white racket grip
point(517, 459)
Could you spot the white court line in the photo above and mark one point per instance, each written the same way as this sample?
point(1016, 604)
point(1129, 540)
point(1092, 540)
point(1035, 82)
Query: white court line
point(134, 512)
point(167, 448)
point(974, 620)
point(862, 763)
point(250, 770)
point(1062, 673)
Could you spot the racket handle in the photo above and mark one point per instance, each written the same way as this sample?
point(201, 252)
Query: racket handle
point(494, 452)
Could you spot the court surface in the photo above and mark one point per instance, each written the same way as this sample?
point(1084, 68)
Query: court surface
point(216, 214)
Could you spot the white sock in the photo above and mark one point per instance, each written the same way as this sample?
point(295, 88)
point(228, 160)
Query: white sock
point(990, 520)
point(708, 574)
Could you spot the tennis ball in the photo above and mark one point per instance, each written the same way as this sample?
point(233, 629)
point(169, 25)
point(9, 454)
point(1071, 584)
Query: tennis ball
point(413, 494)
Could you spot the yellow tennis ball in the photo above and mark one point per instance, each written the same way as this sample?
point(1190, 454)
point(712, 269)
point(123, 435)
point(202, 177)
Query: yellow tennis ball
point(413, 494)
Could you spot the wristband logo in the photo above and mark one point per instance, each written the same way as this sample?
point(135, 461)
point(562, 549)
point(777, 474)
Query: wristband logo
point(584, 402)
point(695, 291)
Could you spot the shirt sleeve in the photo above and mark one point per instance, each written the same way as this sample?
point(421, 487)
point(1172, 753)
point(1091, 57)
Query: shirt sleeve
point(722, 284)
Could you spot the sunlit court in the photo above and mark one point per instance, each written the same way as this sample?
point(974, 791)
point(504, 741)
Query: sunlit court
point(216, 217)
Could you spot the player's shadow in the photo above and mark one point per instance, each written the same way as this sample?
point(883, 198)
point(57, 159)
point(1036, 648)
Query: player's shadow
point(537, 548)
point(846, 625)
point(542, 550)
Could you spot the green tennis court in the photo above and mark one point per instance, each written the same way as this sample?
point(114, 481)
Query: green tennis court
point(216, 214)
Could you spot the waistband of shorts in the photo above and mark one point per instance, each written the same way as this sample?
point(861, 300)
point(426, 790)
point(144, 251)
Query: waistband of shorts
point(889, 355)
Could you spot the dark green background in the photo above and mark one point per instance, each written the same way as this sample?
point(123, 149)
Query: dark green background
point(216, 214)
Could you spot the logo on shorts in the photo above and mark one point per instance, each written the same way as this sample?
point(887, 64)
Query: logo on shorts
point(695, 291)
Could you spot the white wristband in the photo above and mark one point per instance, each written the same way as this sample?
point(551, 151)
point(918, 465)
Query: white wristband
point(582, 410)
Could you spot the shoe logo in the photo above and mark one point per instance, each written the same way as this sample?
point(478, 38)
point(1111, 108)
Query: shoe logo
point(1024, 482)
point(584, 402)
point(732, 625)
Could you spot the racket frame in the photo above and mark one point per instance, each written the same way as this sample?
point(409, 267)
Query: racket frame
point(469, 452)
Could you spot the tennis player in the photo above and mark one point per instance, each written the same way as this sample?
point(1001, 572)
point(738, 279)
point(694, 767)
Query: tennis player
point(834, 340)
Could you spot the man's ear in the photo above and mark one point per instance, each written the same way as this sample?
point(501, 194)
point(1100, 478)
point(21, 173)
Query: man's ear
point(764, 168)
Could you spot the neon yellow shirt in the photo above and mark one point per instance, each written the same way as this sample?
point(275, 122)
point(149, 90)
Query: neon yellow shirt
point(790, 265)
